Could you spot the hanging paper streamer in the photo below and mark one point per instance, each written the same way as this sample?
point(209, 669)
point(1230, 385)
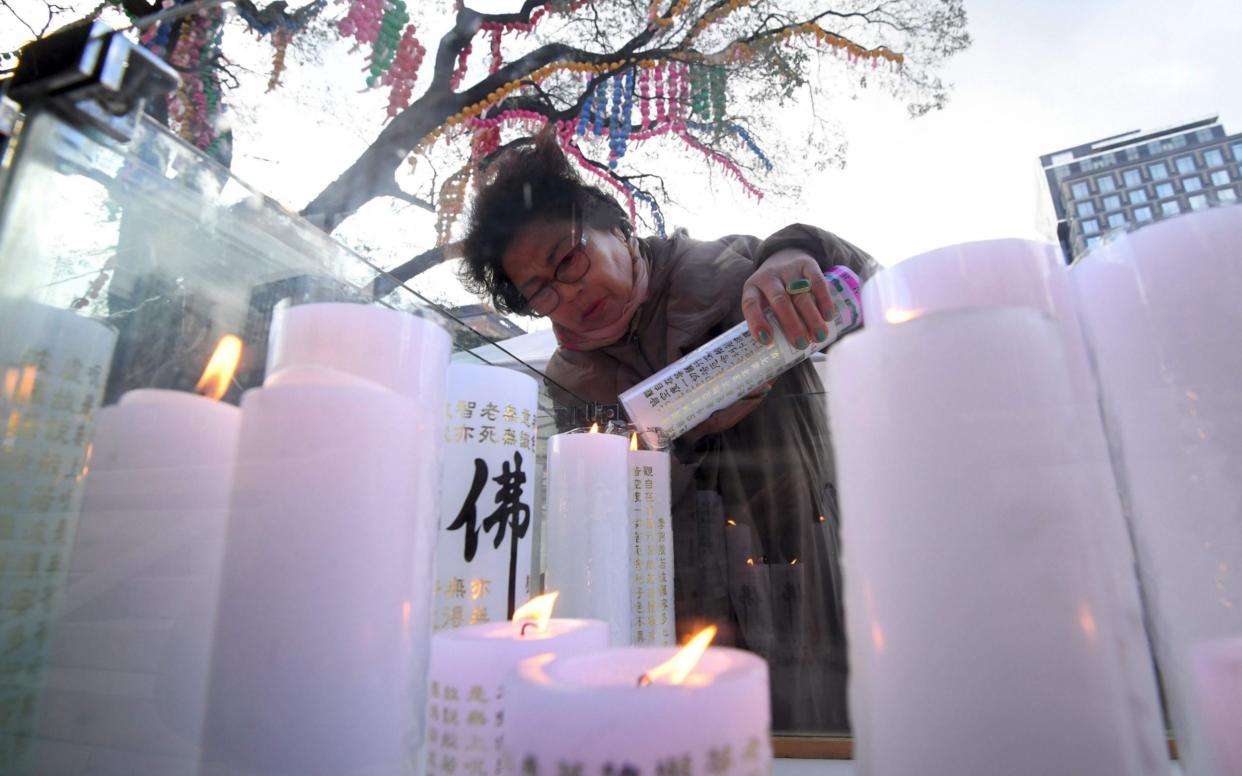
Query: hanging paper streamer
point(742, 134)
point(404, 71)
point(488, 486)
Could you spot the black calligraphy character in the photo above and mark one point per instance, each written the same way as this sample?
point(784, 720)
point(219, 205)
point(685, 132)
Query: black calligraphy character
point(468, 517)
point(511, 514)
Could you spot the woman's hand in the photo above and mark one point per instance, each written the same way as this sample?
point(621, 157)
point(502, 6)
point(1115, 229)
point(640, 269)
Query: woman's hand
point(801, 316)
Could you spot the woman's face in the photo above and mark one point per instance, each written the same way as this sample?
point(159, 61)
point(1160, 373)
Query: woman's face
point(596, 300)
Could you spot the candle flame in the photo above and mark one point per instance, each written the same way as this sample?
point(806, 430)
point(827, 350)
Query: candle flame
point(220, 368)
point(678, 667)
point(899, 315)
point(633, 441)
point(595, 428)
point(537, 610)
point(25, 388)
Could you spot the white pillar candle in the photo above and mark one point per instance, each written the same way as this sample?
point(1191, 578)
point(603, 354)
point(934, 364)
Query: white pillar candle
point(487, 512)
point(972, 608)
point(1161, 313)
point(1025, 273)
point(322, 644)
point(1217, 668)
point(588, 529)
point(139, 612)
point(53, 369)
point(383, 346)
point(465, 722)
point(654, 619)
point(587, 714)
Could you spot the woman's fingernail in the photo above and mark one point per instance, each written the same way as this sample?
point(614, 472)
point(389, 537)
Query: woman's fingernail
point(821, 335)
point(801, 343)
point(764, 337)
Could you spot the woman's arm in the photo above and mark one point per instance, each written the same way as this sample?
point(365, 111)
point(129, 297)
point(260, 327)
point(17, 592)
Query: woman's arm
point(797, 252)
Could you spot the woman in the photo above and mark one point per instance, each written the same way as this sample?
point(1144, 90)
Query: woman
point(755, 522)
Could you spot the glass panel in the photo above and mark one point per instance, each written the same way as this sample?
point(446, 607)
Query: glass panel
point(1080, 189)
point(1164, 189)
point(1171, 207)
point(1198, 202)
point(1085, 208)
point(1220, 177)
point(1192, 183)
point(1158, 171)
point(1112, 202)
point(1116, 220)
point(122, 267)
point(1226, 195)
point(1105, 183)
point(1090, 226)
point(1142, 214)
point(1132, 177)
point(1137, 195)
point(1185, 164)
point(1213, 157)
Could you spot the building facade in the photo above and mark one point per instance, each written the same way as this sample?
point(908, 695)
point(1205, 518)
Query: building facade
point(1126, 181)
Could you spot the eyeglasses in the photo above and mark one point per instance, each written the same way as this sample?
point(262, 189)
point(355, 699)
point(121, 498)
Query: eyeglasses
point(543, 299)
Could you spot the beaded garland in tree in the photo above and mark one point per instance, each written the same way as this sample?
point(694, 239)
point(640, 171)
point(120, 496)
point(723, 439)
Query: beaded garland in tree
point(688, 93)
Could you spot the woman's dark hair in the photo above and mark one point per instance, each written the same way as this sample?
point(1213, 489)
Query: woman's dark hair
point(529, 183)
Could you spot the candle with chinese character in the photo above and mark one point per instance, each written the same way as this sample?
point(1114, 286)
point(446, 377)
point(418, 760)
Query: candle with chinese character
point(651, 547)
point(468, 666)
point(140, 607)
point(53, 369)
point(487, 512)
point(324, 621)
point(639, 710)
point(973, 604)
point(588, 528)
point(1025, 273)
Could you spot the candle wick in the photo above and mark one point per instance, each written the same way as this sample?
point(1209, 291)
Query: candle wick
point(644, 680)
point(525, 625)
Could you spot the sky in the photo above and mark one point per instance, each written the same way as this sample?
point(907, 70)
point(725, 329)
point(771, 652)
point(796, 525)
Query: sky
point(1041, 75)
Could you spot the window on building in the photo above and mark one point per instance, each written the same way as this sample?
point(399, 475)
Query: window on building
point(1085, 208)
point(1237, 151)
point(1112, 202)
point(1226, 195)
point(1080, 190)
point(1170, 207)
point(1158, 171)
point(1198, 202)
point(1204, 135)
point(1116, 220)
point(1220, 177)
point(1132, 177)
point(1105, 184)
point(1092, 242)
point(1142, 214)
point(1193, 183)
point(1090, 226)
point(1185, 164)
point(1137, 196)
point(1164, 189)
point(1213, 157)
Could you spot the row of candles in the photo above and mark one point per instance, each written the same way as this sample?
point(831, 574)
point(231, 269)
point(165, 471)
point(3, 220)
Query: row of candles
point(296, 535)
point(1003, 427)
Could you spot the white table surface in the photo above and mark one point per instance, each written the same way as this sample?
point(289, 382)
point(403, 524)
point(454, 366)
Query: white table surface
point(792, 767)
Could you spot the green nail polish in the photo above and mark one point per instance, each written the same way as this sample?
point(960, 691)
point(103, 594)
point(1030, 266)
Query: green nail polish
point(820, 336)
point(764, 337)
point(798, 286)
point(801, 343)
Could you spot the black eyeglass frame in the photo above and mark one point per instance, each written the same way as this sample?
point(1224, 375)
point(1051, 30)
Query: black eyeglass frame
point(524, 305)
